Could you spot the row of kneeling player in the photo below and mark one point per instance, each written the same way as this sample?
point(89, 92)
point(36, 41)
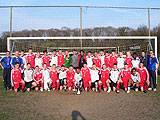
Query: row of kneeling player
point(95, 79)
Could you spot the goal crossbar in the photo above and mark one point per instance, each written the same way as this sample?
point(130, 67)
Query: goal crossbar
point(83, 38)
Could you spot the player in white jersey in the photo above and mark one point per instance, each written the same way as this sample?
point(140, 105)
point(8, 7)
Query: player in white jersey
point(78, 81)
point(135, 61)
point(114, 75)
point(28, 77)
point(89, 58)
point(120, 61)
point(94, 77)
point(62, 77)
point(135, 79)
point(54, 58)
point(46, 77)
point(38, 60)
point(102, 56)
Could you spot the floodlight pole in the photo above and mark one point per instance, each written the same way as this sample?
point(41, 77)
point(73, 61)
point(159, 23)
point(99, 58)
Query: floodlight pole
point(81, 29)
point(10, 23)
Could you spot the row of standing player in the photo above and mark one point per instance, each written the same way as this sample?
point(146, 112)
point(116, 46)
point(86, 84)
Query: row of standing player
point(58, 58)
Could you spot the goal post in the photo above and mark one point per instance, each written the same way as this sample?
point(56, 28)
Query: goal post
point(120, 43)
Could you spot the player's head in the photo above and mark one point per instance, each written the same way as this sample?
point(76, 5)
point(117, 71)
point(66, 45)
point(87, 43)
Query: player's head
point(74, 52)
point(134, 70)
point(37, 69)
point(8, 53)
point(151, 53)
point(66, 52)
point(101, 52)
point(115, 66)
point(125, 65)
point(107, 54)
point(45, 52)
point(30, 50)
point(81, 52)
point(16, 65)
point(141, 64)
point(143, 53)
point(70, 67)
point(89, 53)
point(78, 70)
point(17, 53)
point(45, 66)
point(85, 64)
point(94, 67)
point(54, 53)
point(54, 66)
point(103, 66)
point(28, 65)
point(22, 53)
point(128, 53)
point(120, 54)
point(38, 54)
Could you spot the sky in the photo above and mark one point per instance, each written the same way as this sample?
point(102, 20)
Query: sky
point(46, 18)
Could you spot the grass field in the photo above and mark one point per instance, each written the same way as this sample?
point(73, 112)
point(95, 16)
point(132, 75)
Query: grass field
point(87, 106)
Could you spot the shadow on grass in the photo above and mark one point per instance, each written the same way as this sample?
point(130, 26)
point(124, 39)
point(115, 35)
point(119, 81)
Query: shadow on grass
point(76, 115)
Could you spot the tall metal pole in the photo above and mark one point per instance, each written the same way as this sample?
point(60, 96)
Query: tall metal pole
point(149, 23)
point(10, 23)
point(81, 29)
point(149, 29)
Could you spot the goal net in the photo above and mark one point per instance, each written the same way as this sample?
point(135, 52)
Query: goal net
point(94, 43)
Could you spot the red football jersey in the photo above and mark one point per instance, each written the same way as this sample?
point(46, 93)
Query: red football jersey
point(53, 75)
point(128, 60)
point(70, 75)
point(38, 76)
point(113, 60)
point(143, 73)
point(107, 61)
point(16, 75)
point(46, 60)
point(125, 74)
point(97, 62)
point(105, 74)
point(86, 74)
point(30, 58)
point(60, 60)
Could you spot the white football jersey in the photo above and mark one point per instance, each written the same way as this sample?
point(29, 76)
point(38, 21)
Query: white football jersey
point(114, 74)
point(94, 75)
point(38, 62)
point(28, 75)
point(89, 62)
point(120, 62)
point(46, 75)
point(54, 60)
point(62, 74)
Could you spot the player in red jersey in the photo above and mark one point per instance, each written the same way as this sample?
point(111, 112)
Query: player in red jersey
point(30, 58)
point(96, 60)
point(70, 78)
point(38, 79)
point(144, 77)
point(60, 58)
point(113, 59)
point(17, 78)
point(46, 59)
point(86, 77)
point(104, 81)
point(54, 77)
point(124, 78)
point(128, 59)
point(107, 60)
